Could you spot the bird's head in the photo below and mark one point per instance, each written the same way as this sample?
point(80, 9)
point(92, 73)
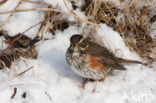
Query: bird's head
point(78, 42)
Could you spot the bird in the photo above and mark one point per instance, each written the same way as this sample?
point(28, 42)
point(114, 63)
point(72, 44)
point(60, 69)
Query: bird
point(91, 60)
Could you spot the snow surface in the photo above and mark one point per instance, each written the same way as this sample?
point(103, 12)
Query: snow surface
point(52, 81)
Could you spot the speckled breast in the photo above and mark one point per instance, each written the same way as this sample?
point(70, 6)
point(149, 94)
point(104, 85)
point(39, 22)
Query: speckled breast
point(80, 64)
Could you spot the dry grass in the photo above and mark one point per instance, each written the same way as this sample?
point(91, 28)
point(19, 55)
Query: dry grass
point(6, 21)
point(134, 26)
point(101, 12)
point(136, 29)
point(52, 21)
point(3, 2)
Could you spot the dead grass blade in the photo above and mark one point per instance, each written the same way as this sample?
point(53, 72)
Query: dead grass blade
point(5, 22)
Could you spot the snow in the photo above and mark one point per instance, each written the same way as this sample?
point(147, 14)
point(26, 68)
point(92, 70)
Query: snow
point(52, 81)
point(22, 21)
point(114, 42)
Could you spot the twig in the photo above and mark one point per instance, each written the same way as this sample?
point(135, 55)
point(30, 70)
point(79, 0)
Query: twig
point(3, 2)
point(17, 85)
point(44, 23)
point(12, 42)
point(13, 95)
point(5, 22)
point(10, 48)
point(48, 96)
point(49, 9)
point(25, 71)
point(131, 3)
point(66, 5)
point(36, 2)
point(68, 8)
point(31, 27)
point(24, 95)
point(114, 18)
point(96, 4)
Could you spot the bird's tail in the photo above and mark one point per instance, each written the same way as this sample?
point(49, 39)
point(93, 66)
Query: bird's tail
point(129, 61)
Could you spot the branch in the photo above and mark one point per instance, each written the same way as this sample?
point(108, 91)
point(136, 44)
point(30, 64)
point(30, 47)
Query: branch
point(49, 9)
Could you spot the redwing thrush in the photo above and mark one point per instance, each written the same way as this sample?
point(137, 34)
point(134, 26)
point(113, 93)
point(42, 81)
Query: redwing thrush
point(92, 61)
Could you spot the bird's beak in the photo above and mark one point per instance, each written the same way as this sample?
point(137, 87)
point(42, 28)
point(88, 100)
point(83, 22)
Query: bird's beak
point(76, 46)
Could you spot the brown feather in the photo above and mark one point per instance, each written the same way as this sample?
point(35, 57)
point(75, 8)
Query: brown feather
point(107, 58)
point(95, 63)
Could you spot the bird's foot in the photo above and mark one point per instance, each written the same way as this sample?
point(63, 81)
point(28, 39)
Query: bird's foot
point(95, 86)
point(83, 84)
point(94, 89)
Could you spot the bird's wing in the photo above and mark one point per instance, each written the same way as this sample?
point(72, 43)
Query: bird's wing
point(111, 63)
point(106, 57)
point(98, 50)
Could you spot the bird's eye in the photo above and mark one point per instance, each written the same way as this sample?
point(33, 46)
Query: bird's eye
point(83, 46)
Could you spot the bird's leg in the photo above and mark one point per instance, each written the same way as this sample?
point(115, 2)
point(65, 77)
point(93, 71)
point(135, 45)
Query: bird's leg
point(94, 89)
point(84, 83)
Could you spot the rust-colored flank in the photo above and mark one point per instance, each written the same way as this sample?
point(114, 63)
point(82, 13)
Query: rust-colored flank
point(95, 63)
